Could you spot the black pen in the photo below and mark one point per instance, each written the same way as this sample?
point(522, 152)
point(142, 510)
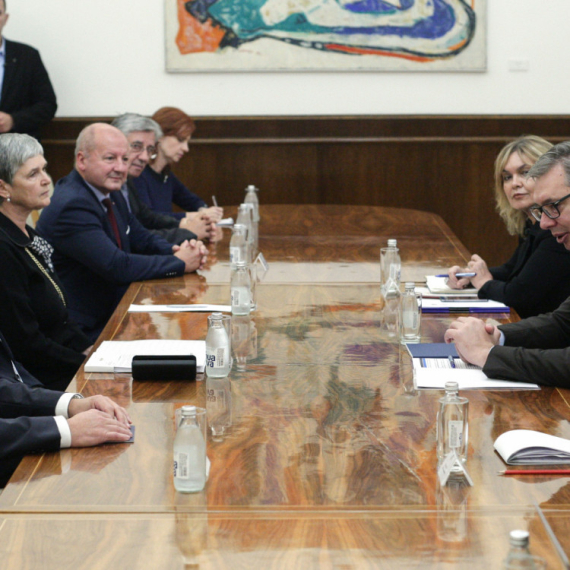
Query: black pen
point(451, 361)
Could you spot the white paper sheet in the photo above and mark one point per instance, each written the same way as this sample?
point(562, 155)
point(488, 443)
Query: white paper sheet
point(180, 308)
point(117, 355)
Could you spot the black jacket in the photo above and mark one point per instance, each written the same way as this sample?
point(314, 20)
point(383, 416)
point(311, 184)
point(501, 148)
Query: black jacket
point(33, 317)
point(537, 277)
point(27, 93)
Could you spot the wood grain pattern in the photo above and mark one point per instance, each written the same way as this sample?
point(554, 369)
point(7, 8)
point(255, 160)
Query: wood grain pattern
point(327, 457)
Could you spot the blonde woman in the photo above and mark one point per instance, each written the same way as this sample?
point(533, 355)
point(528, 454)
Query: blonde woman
point(537, 277)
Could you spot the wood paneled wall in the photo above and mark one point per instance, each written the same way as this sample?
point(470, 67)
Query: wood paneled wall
point(439, 164)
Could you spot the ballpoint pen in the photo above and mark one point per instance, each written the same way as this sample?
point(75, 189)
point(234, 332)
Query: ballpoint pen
point(460, 275)
point(214, 201)
point(451, 361)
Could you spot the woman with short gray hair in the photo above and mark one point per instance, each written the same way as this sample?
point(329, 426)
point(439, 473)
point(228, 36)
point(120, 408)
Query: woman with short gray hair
point(33, 307)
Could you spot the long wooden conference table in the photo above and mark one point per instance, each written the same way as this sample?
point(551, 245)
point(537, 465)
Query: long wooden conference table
point(324, 454)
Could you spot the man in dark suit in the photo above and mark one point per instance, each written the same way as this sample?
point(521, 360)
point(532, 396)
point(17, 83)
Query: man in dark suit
point(27, 98)
point(536, 349)
point(142, 134)
point(33, 418)
point(100, 247)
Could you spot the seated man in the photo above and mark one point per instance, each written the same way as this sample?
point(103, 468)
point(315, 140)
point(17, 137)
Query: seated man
point(536, 349)
point(34, 419)
point(28, 99)
point(100, 247)
point(142, 134)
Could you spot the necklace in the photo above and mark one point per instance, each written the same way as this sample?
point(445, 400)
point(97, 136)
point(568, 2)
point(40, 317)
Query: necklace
point(44, 271)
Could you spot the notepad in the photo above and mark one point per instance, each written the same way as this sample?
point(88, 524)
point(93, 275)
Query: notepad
point(432, 369)
point(527, 447)
point(439, 286)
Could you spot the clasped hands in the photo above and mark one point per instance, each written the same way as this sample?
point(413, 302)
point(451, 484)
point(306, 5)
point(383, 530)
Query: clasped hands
point(476, 265)
point(473, 339)
point(203, 223)
point(193, 253)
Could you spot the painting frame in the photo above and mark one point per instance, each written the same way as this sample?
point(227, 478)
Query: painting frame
point(199, 39)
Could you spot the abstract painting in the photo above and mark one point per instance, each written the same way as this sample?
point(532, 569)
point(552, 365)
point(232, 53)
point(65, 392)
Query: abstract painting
point(358, 35)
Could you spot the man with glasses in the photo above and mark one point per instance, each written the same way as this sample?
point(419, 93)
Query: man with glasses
point(536, 349)
point(142, 134)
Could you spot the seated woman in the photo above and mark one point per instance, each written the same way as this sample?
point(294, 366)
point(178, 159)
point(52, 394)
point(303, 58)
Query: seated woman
point(157, 186)
point(537, 277)
point(33, 313)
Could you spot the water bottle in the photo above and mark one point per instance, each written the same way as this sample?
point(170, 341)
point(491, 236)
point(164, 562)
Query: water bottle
point(189, 454)
point(241, 290)
point(251, 198)
point(452, 424)
point(253, 235)
point(410, 316)
point(218, 361)
point(519, 556)
point(244, 219)
point(238, 245)
point(390, 265)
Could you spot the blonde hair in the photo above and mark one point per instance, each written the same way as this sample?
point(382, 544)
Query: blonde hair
point(530, 148)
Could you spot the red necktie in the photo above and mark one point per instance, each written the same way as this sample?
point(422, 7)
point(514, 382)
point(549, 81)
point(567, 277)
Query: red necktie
point(109, 205)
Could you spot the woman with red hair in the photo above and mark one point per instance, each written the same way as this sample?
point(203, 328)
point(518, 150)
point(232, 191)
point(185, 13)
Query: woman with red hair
point(157, 185)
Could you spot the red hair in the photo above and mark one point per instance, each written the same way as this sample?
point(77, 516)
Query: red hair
point(174, 122)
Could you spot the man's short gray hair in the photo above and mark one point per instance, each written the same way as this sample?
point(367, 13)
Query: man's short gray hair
point(129, 123)
point(558, 154)
point(15, 150)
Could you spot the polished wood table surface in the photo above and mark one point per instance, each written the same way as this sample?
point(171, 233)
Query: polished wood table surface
point(325, 453)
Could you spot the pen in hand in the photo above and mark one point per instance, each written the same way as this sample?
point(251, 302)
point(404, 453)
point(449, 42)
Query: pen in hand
point(214, 201)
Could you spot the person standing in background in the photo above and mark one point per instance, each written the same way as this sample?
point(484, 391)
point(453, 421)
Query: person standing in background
point(27, 98)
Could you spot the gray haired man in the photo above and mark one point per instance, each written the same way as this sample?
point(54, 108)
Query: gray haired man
point(142, 134)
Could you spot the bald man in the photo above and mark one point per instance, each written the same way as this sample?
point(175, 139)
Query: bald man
point(100, 247)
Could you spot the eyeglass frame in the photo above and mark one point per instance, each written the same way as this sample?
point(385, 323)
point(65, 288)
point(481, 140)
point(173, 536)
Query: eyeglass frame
point(540, 209)
point(138, 147)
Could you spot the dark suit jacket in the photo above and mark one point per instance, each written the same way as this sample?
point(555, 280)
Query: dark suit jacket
point(536, 349)
point(27, 93)
point(160, 224)
point(94, 271)
point(536, 279)
point(33, 316)
point(20, 434)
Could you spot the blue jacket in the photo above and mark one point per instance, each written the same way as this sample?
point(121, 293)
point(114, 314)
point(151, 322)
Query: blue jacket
point(92, 268)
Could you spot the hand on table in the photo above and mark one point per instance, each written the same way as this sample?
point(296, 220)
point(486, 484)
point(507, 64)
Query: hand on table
point(478, 265)
point(94, 427)
point(455, 282)
point(473, 339)
point(193, 253)
point(198, 223)
point(101, 403)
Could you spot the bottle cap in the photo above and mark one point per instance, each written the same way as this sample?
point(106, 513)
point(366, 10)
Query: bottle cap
point(410, 285)
point(451, 386)
point(519, 538)
point(392, 243)
point(188, 410)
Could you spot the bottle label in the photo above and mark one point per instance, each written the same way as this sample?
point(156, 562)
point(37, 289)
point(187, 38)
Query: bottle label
point(181, 465)
point(234, 255)
point(455, 429)
point(235, 297)
point(217, 359)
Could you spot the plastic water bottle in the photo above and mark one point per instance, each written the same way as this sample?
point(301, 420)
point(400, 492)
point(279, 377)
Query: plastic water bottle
point(218, 360)
point(241, 290)
point(251, 198)
point(452, 424)
point(189, 454)
point(244, 218)
point(390, 268)
point(519, 556)
point(238, 245)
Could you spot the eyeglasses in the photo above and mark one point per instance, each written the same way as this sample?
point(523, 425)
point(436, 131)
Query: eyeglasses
point(139, 147)
point(551, 210)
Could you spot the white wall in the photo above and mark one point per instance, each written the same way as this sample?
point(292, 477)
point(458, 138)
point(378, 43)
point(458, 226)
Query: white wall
point(107, 56)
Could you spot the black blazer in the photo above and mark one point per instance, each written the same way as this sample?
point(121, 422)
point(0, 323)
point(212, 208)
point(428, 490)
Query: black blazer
point(27, 93)
point(536, 349)
point(536, 279)
point(33, 316)
point(26, 415)
point(160, 224)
